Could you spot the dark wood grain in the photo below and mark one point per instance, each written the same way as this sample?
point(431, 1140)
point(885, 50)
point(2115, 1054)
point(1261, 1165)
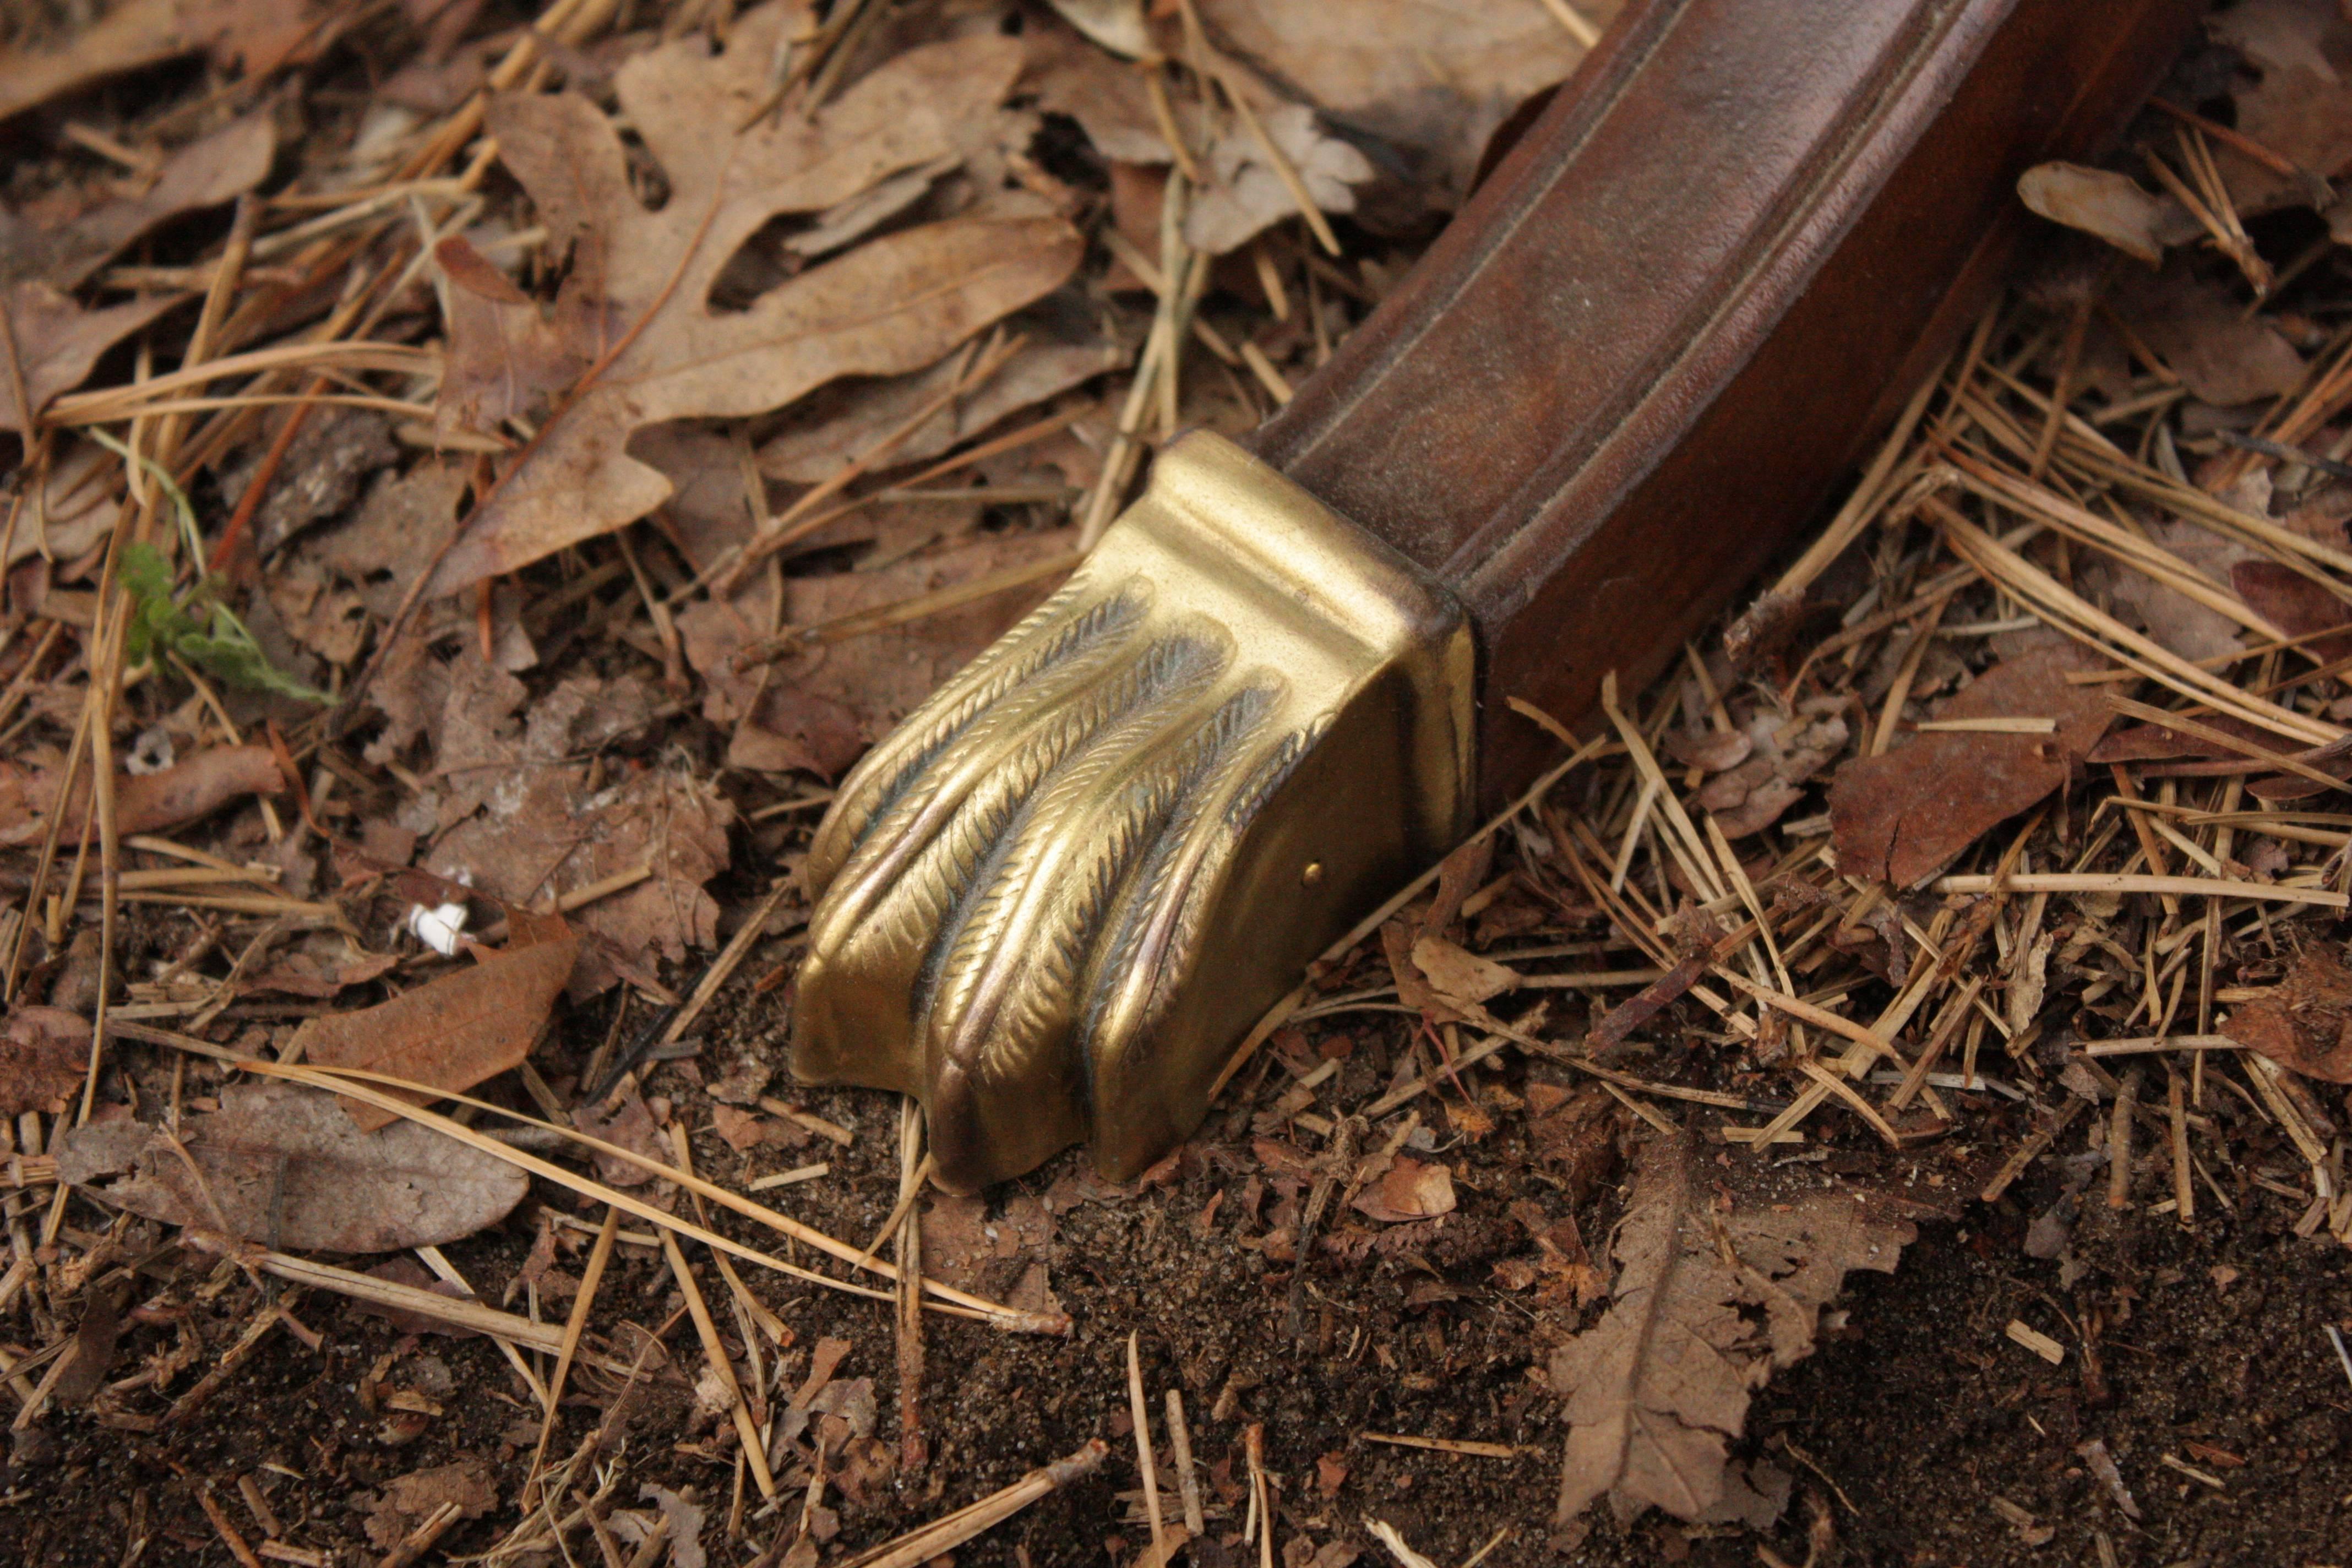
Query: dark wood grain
point(1655, 338)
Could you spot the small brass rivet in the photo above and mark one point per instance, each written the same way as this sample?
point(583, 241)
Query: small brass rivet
point(1312, 875)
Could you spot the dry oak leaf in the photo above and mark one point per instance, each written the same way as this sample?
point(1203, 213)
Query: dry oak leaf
point(204, 174)
point(1903, 816)
point(56, 342)
point(44, 1054)
point(454, 1031)
point(282, 1165)
point(2302, 106)
point(2305, 1022)
point(641, 280)
point(1710, 1298)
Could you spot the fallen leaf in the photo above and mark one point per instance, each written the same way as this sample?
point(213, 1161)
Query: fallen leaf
point(1904, 817)
point(1784, 751)
point(2108, 205)
point(1246, 195)
point(140, 33)
point(630, 1125)
point(1107, 97)
point(2224, 356)
point(1430, 81)
point(412, 1498)
point(44, 1056)
point(204, 174)
point(1116, 25)
point(454, 1031)
point(1710, 1300)
point(144, 803)
point(282, 1165)
point(1461, 978)
point(2305, 1022)
point(549, 833)
point(1411, 1190)
point(56, 342)
point(77, 507)
point(829, 431)
point(2298, 605)
point(2301, 105)
point(891, 306)
point(684, 1533)
point(2193, 630)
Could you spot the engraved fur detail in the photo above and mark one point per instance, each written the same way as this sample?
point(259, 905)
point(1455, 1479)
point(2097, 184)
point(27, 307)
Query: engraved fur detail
point(1043, 843)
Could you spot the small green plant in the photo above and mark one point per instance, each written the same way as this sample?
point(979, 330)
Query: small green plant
point(196, 627)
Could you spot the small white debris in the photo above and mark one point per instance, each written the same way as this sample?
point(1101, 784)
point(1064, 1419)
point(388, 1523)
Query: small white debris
point(438, 928)
point(151, 753)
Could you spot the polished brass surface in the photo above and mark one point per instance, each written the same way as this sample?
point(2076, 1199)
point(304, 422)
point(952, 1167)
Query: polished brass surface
point(1057, 897)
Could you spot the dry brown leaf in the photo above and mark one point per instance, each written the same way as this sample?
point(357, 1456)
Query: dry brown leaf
point(144, 803)
point(407, 1501)
point(56, 342)
point(2187, 628)
point(455, 1031)
point(2296, 604)
point(78, 506)
point(1246, 193)
point(2109, 205)
point(44, 1054)
point(1783, 751)
point(2305, 1022)
point(204, 174)
point(889, 307)
point(1904, 817)
point(1710, 1298)
point(1002, 1255)
point(548, 834)
point(2302, 105)
point(1061, 354)
point(1411, 1190)
point(2223, 355)
point(1107, 97)
point(1432, 81)
point(263, 34)
point(282, 1165)
point(1461, 978)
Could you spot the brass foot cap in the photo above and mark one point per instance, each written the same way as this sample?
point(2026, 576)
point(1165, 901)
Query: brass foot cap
point(1053, 901)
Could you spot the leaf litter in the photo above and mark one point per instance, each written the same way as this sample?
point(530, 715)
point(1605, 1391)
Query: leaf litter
point(677, 436)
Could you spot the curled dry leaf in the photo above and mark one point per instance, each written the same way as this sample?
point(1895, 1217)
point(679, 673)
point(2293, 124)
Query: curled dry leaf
point(58, 341)
point(282, 1165)
point(205, 172)
point(641, 286)
point(144, 803)
point(1411, 1190)
point(1904, 817)
point(44, 1053)
point(1710, 1298)
point(2108, 205)
point(2305, 1022)
point(455, 1031)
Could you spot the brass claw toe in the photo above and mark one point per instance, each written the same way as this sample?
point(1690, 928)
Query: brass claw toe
point(1057, 897)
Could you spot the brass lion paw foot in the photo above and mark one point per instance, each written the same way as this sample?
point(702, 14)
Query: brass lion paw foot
point(1055, 899)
